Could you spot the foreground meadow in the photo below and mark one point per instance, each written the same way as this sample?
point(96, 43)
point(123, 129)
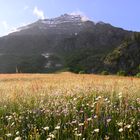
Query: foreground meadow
point(69, 107)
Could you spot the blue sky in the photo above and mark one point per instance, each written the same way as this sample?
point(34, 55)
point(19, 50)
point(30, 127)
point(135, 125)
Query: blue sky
point(120, 13)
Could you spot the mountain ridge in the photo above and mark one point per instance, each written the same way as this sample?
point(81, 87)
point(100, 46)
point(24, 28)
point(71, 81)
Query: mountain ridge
point(71, 43)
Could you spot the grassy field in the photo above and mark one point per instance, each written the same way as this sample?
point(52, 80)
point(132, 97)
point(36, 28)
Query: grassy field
point(69, 107)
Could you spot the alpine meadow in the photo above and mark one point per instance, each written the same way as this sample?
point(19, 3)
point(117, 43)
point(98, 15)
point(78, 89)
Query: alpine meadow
point(69, 106)
point(69, 70)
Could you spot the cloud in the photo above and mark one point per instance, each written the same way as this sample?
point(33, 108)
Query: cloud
point(5, 25)
point(38, 13)
point(26, 7)
point(83, 16)
point(7, 28)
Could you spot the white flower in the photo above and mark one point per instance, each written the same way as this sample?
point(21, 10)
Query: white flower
point(9, 118)
point(52, 136)
point(8, 135)
point(95, 116)
point(48, 138)
point(96, 130)
point(17, 133)
point(108, 120)
point(120, 95)
point(128, 126)
point(81, 124)
point(79, 135)
point(138, 100)
point(57, 127)
point(106, 99)
point(99, 97)
point(75, 129)
point(46, 128)
point(121, 130)
point(74, 121)
point(12, 123)
point(120, 124)
point(17, 138)
point(89, 119)
point(106, 137)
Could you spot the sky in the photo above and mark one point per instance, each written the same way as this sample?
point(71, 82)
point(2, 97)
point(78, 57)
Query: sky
point(119, 13)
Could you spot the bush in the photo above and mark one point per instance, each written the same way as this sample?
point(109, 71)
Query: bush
point(121, 73)
point(138, 75)
point(82, 72)
point(104, 73)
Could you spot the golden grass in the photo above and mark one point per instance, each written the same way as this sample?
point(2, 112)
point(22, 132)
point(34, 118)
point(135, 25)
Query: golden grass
point(20, 85)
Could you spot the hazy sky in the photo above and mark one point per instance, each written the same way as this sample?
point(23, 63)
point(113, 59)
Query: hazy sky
point(121, 13)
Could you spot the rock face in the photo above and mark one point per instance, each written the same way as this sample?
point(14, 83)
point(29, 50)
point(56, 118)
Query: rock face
point(66, 42)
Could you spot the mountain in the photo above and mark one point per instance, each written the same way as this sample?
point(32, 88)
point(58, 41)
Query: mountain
point(125, 58)
point(68, 42)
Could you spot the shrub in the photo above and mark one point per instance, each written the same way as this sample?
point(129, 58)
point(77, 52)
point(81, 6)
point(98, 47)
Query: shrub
point(82, 72)
point(138, 75)
point(104, 73)
point(121, 73)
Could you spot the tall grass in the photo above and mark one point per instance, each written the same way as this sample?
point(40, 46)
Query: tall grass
point(69, 107)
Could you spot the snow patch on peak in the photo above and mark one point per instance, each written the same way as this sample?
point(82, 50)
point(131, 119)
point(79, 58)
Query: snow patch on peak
point(80, 14)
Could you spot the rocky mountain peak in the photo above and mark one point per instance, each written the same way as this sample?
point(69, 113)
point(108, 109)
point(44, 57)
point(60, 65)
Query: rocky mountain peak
point(66, 18)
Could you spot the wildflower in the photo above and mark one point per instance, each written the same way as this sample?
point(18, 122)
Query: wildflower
point(74, 122)
point(52, 136)
point(138, 100)
point(17, 138)
point(12, 123)
point(121, 130)
point(98, 98)
point(106, 137)
point(46, 128)
point(120, 95)
point(57, 127)
point(120, 124)
point(128, 126)
point(48, 138)
point(83, 105)
point(96, 130)
point(79, 135)
point(95, 116)
point(75, 129)
point(5, 106)
point(138, 123)
point(81, 124)
point(89, 119)
point(106, 99)
point(17, 133)
point(8, 118)
point(8, 135)
point(108, 120)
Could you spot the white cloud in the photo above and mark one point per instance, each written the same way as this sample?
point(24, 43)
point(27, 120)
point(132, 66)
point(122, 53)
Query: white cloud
point(7, 29)
point(5, 25)
point(38, 13)
point(26, 7)
point(83, 16)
